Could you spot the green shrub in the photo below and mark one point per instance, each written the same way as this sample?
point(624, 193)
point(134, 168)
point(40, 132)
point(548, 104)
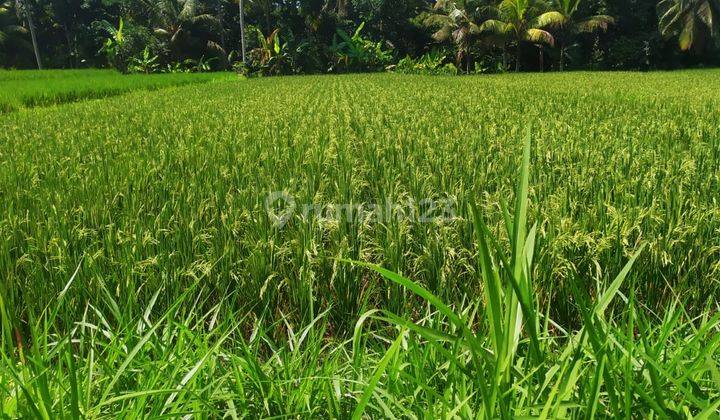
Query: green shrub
point(433, 63)
point(355, 53)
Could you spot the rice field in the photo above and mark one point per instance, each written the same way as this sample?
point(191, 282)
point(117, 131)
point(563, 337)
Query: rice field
point(31, 88)
point(527, 245)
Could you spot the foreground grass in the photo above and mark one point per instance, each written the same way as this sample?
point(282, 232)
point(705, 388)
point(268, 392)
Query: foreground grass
point(28, 89)
point(480, 361)
point(143, 277)
point(186, 361)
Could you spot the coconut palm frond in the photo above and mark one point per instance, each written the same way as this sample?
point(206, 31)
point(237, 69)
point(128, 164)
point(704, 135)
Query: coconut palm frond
point(217, 51)
point(539, 36)
point(457, 14)
point(688, 36)
point(443, 34)
point(208, 21)
point(441, 4)
point(176, 36)
point(550, 19)
point(436, 20)
point(668, 20)
point(15, 29)
point(693, 22)
point(512, 9)
point(7, 31)
point(707, 13)
point(189, 10)
point(494, 26)
point(162, 33)
point(595, 24)
point(167, 10)
point(459, 35)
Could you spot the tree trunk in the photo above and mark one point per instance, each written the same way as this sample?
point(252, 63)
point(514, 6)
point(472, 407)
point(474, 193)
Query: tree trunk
point(72, 52)
point(342, 8)
point(562, 57)
point(517, 58)
point(542, 59)
point(504, 58)
point(242, 29)
point(221, 19)
point(28, 15)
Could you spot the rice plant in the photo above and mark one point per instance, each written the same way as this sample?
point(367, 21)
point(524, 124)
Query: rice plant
point(144, 274)
point(28, 89)
point(503, 347)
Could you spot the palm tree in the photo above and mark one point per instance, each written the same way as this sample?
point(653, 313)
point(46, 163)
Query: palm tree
point(570, 25)
point(241, 5)
point(694, 22)
point(455, 26)
point(182, 24)
point(22, 9)
point(522, 21)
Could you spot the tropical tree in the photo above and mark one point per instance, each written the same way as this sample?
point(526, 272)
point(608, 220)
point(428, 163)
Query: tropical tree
point(694, 22)
point(9, 29)
point(23, 9)
point(569, 25)
point(455, 26)
point(13, 36)
point(262, 9)
point(67, 16)
point(185, 27)
point(241, 15)
point(523, 21)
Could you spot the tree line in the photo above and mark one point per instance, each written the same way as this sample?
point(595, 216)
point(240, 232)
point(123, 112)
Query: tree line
point(316, 36)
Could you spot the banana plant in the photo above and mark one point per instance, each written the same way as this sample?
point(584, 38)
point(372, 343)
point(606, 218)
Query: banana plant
point(114, 46)
point(147, 63)
point(271, 56)
point(357, 53)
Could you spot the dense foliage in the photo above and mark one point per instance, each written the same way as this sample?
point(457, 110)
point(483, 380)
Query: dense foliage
point(143, 274)
point(315, 36)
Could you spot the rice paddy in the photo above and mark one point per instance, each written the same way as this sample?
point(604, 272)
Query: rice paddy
point(365, 246)
point(29, 88)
